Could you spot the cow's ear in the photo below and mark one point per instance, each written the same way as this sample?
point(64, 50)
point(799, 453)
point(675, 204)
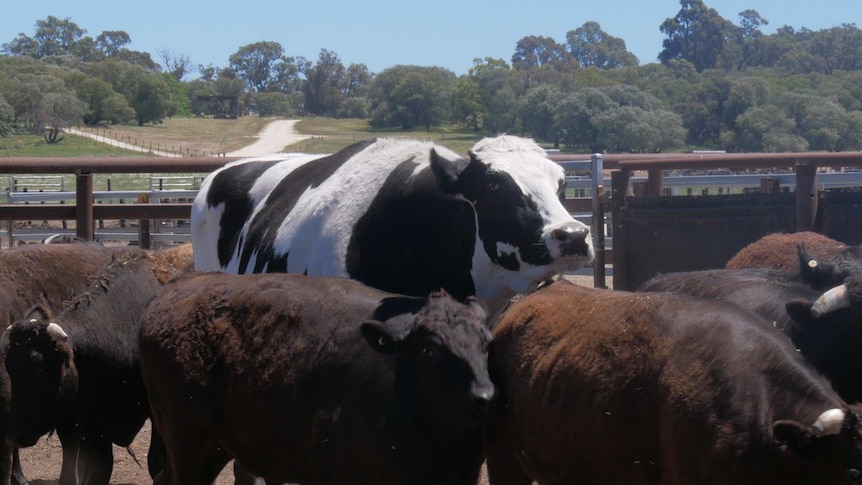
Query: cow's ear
point(446, 171)
point(380, 336)
point(791, 434)
point(38, 312)
point(800, 312)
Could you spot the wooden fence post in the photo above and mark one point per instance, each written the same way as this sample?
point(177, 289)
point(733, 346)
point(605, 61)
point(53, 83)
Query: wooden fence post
point(84, 206)
point(619, 191)
point(806, 195)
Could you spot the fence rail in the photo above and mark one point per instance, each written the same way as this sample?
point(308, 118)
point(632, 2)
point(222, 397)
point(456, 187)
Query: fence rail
point(599, 208)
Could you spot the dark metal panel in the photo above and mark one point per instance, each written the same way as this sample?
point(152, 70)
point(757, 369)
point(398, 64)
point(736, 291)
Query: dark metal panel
point(668, 234)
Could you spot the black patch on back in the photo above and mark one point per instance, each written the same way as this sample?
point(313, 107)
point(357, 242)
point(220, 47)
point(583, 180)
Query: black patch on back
point(414, 238)
point(282, 199)
point(505, 215)
point(231, 186)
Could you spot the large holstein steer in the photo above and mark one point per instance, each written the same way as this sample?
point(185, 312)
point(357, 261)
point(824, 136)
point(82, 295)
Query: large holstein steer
point(316, 381)
point(609, 387)
point(39, 274)
point(77, 372)
point(825, 327)
point(400, 215)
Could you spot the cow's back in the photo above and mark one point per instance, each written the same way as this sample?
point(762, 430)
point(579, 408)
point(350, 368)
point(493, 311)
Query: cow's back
point(47, 274)
point(274, 399)
point(616, 387)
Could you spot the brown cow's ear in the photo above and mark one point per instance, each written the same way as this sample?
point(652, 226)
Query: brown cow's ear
point(379, 336)
point(792, 434)
point(39, 312)
point(800, 312)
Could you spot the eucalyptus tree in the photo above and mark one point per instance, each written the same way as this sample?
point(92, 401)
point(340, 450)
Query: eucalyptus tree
point(593, 47)
point(697, 33)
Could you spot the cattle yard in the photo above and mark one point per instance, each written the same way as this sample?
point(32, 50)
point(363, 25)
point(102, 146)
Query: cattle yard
point(648, 214)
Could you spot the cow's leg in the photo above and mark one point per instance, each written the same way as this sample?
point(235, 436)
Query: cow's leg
point(193, 457)
point(95, 461)
point(70, 440)
point(502, 464)
point(17, 473)
point(157, 456)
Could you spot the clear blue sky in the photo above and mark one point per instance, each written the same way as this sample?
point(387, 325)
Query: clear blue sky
point(384, 33)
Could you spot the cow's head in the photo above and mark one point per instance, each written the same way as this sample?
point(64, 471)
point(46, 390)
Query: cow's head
point(442, 347)
point(522, 224)
point(830, 448)
point(41, 367)
point(822, 275)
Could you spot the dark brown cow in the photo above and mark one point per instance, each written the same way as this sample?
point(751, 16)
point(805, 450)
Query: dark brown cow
point(39, 274)
point(610, 387)
point(315, 380)
point(826, 328)
point(77, 372)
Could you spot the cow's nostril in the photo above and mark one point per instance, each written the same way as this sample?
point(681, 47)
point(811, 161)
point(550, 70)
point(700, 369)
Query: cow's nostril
point(569, 233)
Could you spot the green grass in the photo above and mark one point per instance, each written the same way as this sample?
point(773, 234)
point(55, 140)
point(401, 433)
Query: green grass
point(27, 145)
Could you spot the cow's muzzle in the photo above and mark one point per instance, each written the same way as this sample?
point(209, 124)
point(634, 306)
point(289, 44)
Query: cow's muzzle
point(573, 240)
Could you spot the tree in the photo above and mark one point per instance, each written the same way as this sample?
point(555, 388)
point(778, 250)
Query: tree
point(697, 34)
point(111, 42)
point(537, 113)
point(745, 46)
point(485, 98)
point(259, 64)
point(60, 110)
point(176, 65)
point(767, 129)
point(7, 116)
point(593, 47)
point(410, 96)
point(533, 52)
point(53, 37)
point(638, 130)
point(575, 116)
point(151, 99)
point(323, 87)
point(101, 102)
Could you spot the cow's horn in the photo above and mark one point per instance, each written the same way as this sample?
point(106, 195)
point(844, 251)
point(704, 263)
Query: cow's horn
point(829, 423)
point(5, 340)
point(56, 332)
point(834, 299)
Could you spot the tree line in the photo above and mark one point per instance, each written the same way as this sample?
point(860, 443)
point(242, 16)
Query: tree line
point(716, 85)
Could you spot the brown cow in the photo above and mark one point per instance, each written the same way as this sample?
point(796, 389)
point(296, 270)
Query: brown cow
point(315, 380)
point(778, 251)
point(77, 372)
point(610, 387)
point(46, 275)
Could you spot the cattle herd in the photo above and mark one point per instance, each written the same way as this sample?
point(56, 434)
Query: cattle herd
point(386, 315)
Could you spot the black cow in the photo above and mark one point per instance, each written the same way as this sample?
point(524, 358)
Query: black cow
point(38, 274)
point(611, 387)
point(315, 380)
point(77, 372)
point(825, 327)
point(400, 215)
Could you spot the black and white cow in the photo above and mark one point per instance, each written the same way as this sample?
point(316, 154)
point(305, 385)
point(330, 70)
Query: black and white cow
point(405, 216)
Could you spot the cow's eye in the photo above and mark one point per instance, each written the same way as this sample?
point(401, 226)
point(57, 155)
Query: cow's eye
point(493, 186)
point(429, 351)
point(854, 474)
